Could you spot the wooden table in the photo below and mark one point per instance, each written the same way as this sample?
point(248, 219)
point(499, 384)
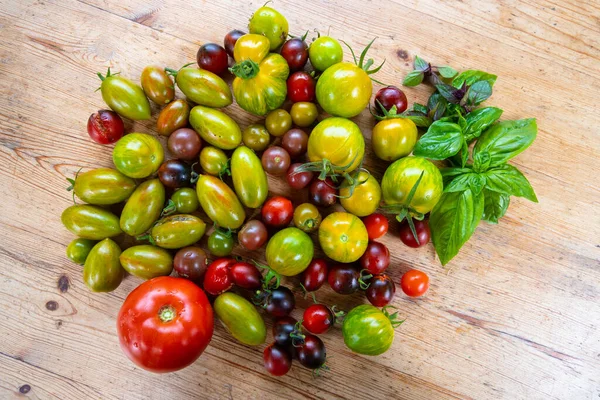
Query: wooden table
point(514, 316)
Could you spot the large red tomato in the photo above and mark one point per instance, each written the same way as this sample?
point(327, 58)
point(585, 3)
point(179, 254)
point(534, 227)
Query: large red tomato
point(165, 324)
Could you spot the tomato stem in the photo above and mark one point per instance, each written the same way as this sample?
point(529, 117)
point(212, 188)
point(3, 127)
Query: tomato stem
point(392, 317)
point(246, 69)
point(167, 313)
point(169, 209)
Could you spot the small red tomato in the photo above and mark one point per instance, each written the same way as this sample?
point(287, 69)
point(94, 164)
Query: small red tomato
point(277, 211)
point(301, 87)
point(218, 278)
point(298, 180)
point(213, 58)
point(414, 283)
point(105, 127)
point(280, 302)
point(315, 275)
point(230, 39)
point(275, 160)
point(246, 275)
point(376, 258)
point(277, 359)
point(191, 263)
point(295, 52)
point(381, 290)
point(318, 318)
point(323, 193)
point(423, 233)
point(377, 225)
point(253, 235)
point(388, 97)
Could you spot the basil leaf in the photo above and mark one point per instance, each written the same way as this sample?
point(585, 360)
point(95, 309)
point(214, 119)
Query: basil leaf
point(480, 119)
point(442, 140)
point(419, 120)
point(420, 108)
point(447, 72)
point(464, 154)
point(436, 106)
point(509, 180)
point(450, 93)
point(481, 161)
point(495, 206)
point(420, 64)
point(471, 76)
point(471, 180)
point(453, 220)
point(478, 93)
point(448, 174)
point(413, 78)
point(506, 139)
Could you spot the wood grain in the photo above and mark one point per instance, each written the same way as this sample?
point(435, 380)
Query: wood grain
point(516, 315)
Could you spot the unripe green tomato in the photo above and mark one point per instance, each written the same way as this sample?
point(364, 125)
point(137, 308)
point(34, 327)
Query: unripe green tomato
point(78, 250)
point(186, 200)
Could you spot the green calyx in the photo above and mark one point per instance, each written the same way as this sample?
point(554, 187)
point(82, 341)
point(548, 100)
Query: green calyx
point(174, 72)
point(268, 279)
point(392, 317)
point(167, 314)
point(246, 69)
point(108, 74)
point(366, 65)
point(171, 208)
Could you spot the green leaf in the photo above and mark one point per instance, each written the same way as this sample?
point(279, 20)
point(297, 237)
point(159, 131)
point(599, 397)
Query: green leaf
point(481, 161)
point(442, 140)
point(478, 93)
point(471, 180)
point(469, 77)
point(420, 108)
point(509, 180)
point(506, 139)
point(451, 94)
point(419, 120)
point(480, 119)
point(448, 174)
point(413, 78)
point(436, 106)
point(420, 64)
point(495, 206)
point(453, 221)
point(447, 72)
point(464, 154)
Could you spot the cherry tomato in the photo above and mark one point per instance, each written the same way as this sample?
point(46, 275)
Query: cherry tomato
point(246, 275)
point(280, 302)
point(213, 58)
point(344, 278)
point(218, 277)
point(390, 96)
point(318, 318)
point(414, 283)
point(324, 52)
point(377, 225)
point(253, 235)
point(381, 290)
point(376, 258)
point(307, 217)
point(423, 233)
point(220, 243)
point(277, 211)
point(298, 180)
point(315, 275)
point(278, 122)
point(311, 353)
point(295, 142)
point(301, 87)
point(323, 193)
point(105, 127)
point(282, 327)
point(165, 324)
point(213, 161)
point(230, 39)
point(277, 359)
point(304, 114)
point(184, 144)
point(275, 160)
point(295, 52)
point(191, 263)
point(256, 137)
point(175, 174)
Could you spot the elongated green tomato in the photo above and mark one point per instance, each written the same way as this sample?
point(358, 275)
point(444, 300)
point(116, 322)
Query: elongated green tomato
point(343, 237)
point(138, 155)
point(271, 23)
point(365, 197)
point(90, 222)
point(249, 177)
point(102, 271)
point(216, 127)
point(143, 207)
point(214, 161)
point(157, 85)
point(177, 231)
point(219, 202)
point(174, 116)
point(203, 87)
point(240, 318)
point(78, 250)
point(394, 138)
point(103, 186)
point(289, 251)
point(185, 200)
point(324, 52)
point(146, 261)
point(124, 97)
point(367, 330)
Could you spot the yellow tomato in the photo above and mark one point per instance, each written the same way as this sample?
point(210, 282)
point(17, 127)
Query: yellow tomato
point(343, 237)
point(394, 138)
point(366, 195)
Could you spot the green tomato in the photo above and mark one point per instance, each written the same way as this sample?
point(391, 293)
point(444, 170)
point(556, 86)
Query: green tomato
point(177, 231)
point(219, 202)
point(138, 155)
point(367, 330)
point(213, 161)
point(78, 250)
point(304, 114)
point(203, 87)
point(103, 186)
point(325, 52)
point(344, 90)
point(102, 271)
point(146, 261)
point(249, 177)
point(215, 127)
point(143, 207)
point(240, 318)
point(289, 251)
point(90, 222)
point(278, 122)
point(256, 137)
point(270, 23)
point(185, 200)
point(338, 140)
point(124, 97)
point(220, 243)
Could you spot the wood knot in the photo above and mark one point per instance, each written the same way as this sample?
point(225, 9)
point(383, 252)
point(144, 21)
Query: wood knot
point(52, 305)
point(24, 389)
point(402, 54)
point(63, 283)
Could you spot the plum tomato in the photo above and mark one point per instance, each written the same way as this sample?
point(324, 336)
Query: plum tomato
point(423, 233)
point(377, 225)
point(246, 275)
point(275, 160)
point(280, 302)
point(304, 114)
point(390, 96)
point(175, 174)
point(185, 144)
point(307, 217)
point(311, 353)
point(414, 283)
point(295, 52)
point(344, 278)
point(315, 275)
point(220, 243)
point(277, 359)
point(282, 327)
point(256, 137)
point(218, 278)
point(213, 58)
point(105, 127)
point(301, 87)
point(376, 258)
point(277, 211)
point(323, 192)
point(191, 263)
point(253, 235)
point(230, 39)
point(295, 142)
point(298, 180)
point(381, 290)
point(278, 122)
point(318, 318)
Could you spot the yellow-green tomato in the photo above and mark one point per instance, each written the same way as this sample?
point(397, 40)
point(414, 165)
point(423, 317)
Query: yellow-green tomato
point(324, 52)
point(240, 318)
point(278, 122)
point(338, 140)
point(138, 155)
point(344, 90)
point(394, 138)
point(216, 127)
point(157, 85)
point(177, 231)
point(366, 195)
point(304, 113)
point(256, 137)
point(124, 97)
point(343, 237)
point(249, 177)
point(90, 222)
point(146, 261)
point(219, 202)
point(185, 200)
point(78, 250)
point(103, 186)
point(307, 217)
point(367, 330)
point(289, 251)
point(213, 161)
point(174, 116)
point(203, 87)
point(270, 23)
point(143, 207)
point(102, 271)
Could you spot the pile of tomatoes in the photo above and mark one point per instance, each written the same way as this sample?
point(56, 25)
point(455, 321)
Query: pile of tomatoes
point(220, 169)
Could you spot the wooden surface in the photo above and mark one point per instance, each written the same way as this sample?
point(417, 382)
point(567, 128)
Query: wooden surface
point(515, 316)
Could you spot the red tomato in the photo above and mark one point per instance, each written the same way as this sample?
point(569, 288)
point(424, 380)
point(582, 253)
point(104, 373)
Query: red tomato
point(246, 275)
point(377, 225)
point(277, 359)
point(318, 318)
point(423, 233)
point(218, 277)
point(301, 87)
point(165, 324)
point(277, 211)
point(381, 290)
point(414, 283)
point(376, 258)
point(105, 127)
point(315, 275)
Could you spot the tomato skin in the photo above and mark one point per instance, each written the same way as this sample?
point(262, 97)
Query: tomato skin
point(163, 345)
point(125, 97)
point(282, 327)
point(203, 87)
point(394, 138)
point(102, 271)
point(315, 275)
point(277, 211)
point(414, 283)
point(157, 85)
point(218, 277)
point(338, 140)
point(295, 52)
point(376, 258)
point(191, 263)
point(146, 261)
point(105, 127)
point(177, 231)
point(138, 155)
point(343, 279)
point(215, 127)
point(270, 23)
point(253, 235)
point(318, 318)
point(367, 330)
point(241, 319)
point(324, 52)
point(219, 202)
point(381, 290)
point(213, 58)
point(174, 116)
point(249, 177)
point(103, 186)
point(307, 217)
point(90, 222)
point(277, 360)
point(366, 197)
point(343, 237)
point(78, 250)
point(377, 225)
point(423, 233)
point(344, 90)
point(301, 87)
point(289, 251)
point(246, 275)
point(304, 114)
point(256, 137)
point(143, 207)
point(311, 353)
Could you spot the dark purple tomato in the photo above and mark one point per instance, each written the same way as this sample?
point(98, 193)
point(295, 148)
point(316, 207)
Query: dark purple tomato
point(282, 327)
point(280, 302)
point(246, 275)
point(294, 142)
point(376, 258)
point(390, 96)
point(277, 359)
point(253, 235)
point(276, 160)
point(318, 318)
point(323, 193)
point(295, 52)
point(105, 127)
point(298, 180)
point(301, 87)
point(381, 290)
point(315, 275)
point(423, 233)
point(213, 58)
point(344, 278)
point(191, 263)
point(185, 144)
point(175, 174)
point(311, 354)
point(230, 40)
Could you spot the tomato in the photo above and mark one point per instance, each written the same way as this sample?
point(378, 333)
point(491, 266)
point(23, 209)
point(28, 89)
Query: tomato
point(246, 275)
point(124, 97)
point(289, 251)
point(174, 116)
point(270, 23)
point(307, 217)
point(146, 262)
point(103, 186)
point(277, 211)
point(279, 302)
point(344, 279)
point(105, 127)
point(423, 233)
point(185, 200)
point(295, 52)
point(275, 160)
point(90, 222)
point(381, 290)
point(315, 275)
point(253, 235)
point(324, 52)
point(376, 258)
point(394, 138)
point(143, 207)
point(138, 155)
point(311, 353)
point(414, 283)
point(177, 231)
point(219, 202)
point(318, 318)
point(249, 178)
point(203, 87)
point(282, 327)
point(184, 143)
point(344, 90)
point(220, 243)
point(304, 114)
point(294, 142)
point(175, 174)
point(365, 197)
point(216, 127)
point(165, 324)
point(78, 250)
point(343, 237)
point(278, 122)
point(191, 263)
point(367, 330)
point(377, 225)
point(323, 193)
point(301, 87)
point(213, 161)
point(298, 180)
point(256, 137)
point(277, 359)
point(218, 277)
point(389, 97)
point(213, 58)
point(241, 319)
point(157, 85)
point(102, 271)
point(230, 40)
point(400, 177)
point(339, 141)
